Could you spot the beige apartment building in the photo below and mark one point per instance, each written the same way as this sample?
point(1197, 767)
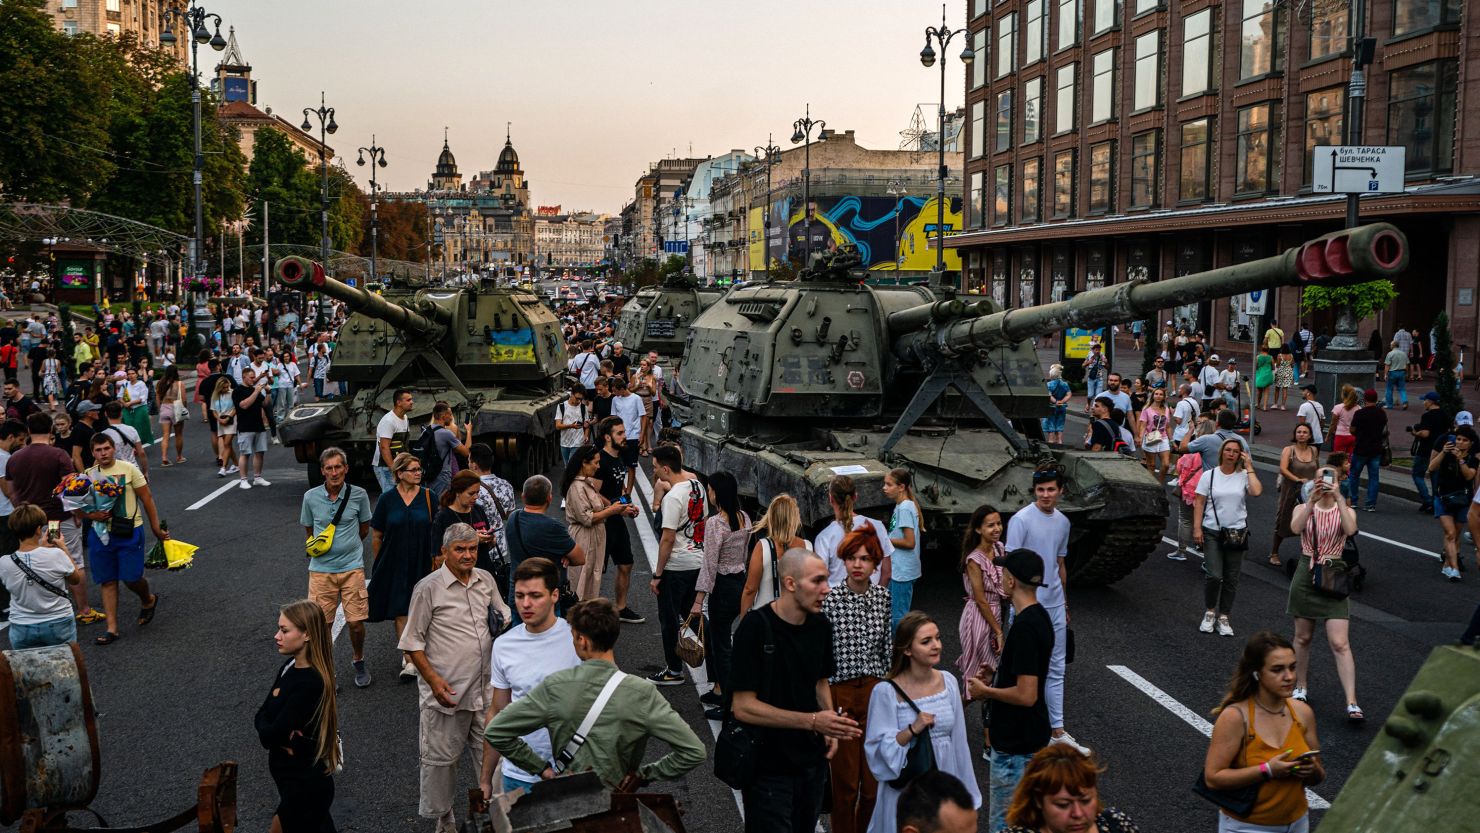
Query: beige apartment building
point(144, 18)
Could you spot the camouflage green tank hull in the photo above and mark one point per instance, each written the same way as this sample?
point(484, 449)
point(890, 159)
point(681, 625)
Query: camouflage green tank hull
point(1117, 509)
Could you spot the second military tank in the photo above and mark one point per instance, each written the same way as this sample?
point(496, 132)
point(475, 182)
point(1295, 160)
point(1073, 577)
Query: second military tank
point(658, 317)
point(792, 383)
point(494, 354)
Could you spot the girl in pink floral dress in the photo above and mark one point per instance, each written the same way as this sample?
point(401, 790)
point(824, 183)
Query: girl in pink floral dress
point(982, 623)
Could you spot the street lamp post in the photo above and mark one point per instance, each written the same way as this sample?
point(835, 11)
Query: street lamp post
point(942, 36)
point(802, 132)
point(897, 190)
point(769, 154)
point(377, 160)
point(195, 18)
point(327, 125)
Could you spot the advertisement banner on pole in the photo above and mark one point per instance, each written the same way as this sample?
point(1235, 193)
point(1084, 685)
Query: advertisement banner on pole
point(1078, 342)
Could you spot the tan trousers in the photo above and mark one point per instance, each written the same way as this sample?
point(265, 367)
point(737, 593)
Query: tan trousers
point(444, 738)
point(853, 786)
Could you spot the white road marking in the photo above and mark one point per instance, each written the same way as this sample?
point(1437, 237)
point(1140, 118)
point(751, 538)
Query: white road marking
point(1410, 547)
point(229, 485)
point(1191, 718)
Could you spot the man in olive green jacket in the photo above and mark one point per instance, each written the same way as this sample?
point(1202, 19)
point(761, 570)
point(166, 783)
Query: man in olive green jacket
point(614, 747)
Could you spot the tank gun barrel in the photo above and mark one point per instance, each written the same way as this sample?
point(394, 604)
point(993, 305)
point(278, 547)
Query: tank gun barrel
point(1342, 258)
point(308, 276)
point(913, 318)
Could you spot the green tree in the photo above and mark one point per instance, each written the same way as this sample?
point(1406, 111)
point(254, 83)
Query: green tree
point(349, 213)
point(1444, 380)
point(279, 174)
point(1366, 298)
point(54, 142)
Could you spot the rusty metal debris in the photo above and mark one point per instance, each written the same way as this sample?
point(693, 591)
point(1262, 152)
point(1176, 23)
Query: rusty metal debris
point(577, 803)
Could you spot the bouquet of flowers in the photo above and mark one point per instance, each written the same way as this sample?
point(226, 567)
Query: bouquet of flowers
point(101, 497)
point(75, 492)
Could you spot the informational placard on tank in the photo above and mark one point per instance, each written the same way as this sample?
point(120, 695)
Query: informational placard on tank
point(511, 346)
point(661, 328)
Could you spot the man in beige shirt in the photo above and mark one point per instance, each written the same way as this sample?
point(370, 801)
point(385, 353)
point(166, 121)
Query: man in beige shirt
point(447, 638)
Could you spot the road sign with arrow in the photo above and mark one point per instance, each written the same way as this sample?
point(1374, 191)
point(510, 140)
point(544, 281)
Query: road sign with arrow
point(1357, 170)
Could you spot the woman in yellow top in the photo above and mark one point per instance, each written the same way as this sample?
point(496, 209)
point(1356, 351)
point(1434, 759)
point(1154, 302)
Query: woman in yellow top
point(1263, 736)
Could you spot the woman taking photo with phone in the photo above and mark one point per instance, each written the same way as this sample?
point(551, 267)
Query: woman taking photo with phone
point(1323, 522)
point(586, 512)
point(298, 723)
point(916, 703)
point(1453, 466)
point(37, 575)
point(1262, 736)
point(1220, 526)
point(1298, 463)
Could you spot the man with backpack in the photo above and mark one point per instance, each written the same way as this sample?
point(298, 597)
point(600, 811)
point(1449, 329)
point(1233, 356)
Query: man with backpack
point(1208, 445)
point(684, 510)
point(586, 365)
point(572, 419)
point(435, 447)
point(1104, 434)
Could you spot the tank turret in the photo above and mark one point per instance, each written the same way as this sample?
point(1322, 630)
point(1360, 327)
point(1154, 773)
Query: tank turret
point(790, 383)
point(494, 354)
point(658, 317)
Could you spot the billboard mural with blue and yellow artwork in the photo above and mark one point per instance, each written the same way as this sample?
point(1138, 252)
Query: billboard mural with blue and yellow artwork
point(866, 223)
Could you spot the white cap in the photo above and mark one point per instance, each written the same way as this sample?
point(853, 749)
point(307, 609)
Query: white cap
point(1214, 358)
point(1464, 418)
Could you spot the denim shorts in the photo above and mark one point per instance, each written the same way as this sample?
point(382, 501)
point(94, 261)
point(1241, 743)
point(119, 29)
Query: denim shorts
point(1055, 423)
point(43, 634)
point(251, 442)
point(1006, 771)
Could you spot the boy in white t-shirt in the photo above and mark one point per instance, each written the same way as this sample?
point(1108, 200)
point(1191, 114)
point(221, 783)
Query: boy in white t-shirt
point(680, 554)
point(572, 418)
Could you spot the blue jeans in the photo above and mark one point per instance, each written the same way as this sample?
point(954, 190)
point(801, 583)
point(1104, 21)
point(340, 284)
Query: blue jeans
point(385, 478)
point(1372, 465)
point(1396, 382)
point(318, 388)
point(512, 784)
point(1005, 772)
point(43, 634)
point(1093, 388)
point(1421, 480)
point(566, 452)
point(901, 594)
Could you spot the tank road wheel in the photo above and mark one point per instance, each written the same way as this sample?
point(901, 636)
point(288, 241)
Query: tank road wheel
point(1103, 552)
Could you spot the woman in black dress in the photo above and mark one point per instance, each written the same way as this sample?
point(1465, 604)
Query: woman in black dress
point(298, 723)
point(401, 540)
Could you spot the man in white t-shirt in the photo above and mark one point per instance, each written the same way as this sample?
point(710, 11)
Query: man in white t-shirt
point(390, 438)
point(572, 417)
point(522, 658)
point(1311, 413)
point(1185, 414)
point(1229, 379)
point(1211, 377)
point(586, 365)
point(680, 554)
point(1042, 528)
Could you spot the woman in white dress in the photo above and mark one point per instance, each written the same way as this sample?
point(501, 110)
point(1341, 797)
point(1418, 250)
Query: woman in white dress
point(915, 701)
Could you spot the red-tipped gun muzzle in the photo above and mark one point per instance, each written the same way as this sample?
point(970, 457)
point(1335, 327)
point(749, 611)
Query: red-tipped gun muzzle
point(1366, 253)
point(300, 272)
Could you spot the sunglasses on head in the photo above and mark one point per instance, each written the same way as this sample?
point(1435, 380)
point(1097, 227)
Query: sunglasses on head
point(1045, 476)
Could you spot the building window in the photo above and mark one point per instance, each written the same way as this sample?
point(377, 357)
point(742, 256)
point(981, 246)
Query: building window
point(1144, 6)
point(1068, 23)
point(1148, 70)
point(1262, 38)
point(1107, 14)
point(1417, 15)
point(1329, 30)
point(974, 200)
point(70, 4)
point(1002, 195)
point(1323, 123)
point(1006, 44)
point(1032, 110)
point(1004, 120)
point(978, 129)
point(980, 63)
point(1102, 89)
point(1063, 115)
point(978, 8)
point(1063, 184)
point(114, 5)
point(1197, 52)
point(1029, 204)
point(1197, 161)
point(1421, 102)
point(69, 27)
point(1145, 164)
point(1257, 169)
point(1101, 178)
point(114, 29)
point(1034, 32)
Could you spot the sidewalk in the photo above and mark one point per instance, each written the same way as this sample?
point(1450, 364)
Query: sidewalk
point(1277, 426)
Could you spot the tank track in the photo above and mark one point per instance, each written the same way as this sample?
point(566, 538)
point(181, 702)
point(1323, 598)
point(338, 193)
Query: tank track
point(1107, 551)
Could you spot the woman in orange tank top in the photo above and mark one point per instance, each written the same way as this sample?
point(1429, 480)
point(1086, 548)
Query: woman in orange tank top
point(1264, 737)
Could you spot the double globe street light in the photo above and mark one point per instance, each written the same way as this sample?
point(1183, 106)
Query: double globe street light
point(942, 36)
point(327, 125)
point(377, 160)
point(802, 132)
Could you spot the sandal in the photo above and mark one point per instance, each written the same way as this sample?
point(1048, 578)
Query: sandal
point(146, 614)
point(165, 463)
point(1354, 713)
point(90, 617)
point(108, 638)
point(1275, 562)
point(179, 460)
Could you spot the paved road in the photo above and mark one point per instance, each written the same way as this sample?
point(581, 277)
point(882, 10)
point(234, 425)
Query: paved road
point(180, 696)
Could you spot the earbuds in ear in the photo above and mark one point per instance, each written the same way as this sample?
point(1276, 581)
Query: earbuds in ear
point(1256, 676)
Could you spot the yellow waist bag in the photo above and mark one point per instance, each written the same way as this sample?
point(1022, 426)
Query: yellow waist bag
point(323, 542)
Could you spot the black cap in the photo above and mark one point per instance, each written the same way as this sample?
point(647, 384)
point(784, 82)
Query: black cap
point(1024, 564)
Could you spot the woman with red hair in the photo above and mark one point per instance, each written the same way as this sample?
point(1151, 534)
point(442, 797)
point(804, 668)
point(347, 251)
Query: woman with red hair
point(1060, 793)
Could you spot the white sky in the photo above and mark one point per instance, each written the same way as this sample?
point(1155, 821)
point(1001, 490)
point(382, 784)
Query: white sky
point(595, 90)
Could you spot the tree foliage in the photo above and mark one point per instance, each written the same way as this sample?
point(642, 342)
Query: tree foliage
point(403, 231)
point(1365, 298)
point(279, 174)
point(1444, 380)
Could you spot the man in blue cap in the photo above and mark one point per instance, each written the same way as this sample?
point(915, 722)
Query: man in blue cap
point(1431, 426)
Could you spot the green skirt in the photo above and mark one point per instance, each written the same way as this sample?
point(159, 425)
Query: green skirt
point(138, 419)
point(1308, 603)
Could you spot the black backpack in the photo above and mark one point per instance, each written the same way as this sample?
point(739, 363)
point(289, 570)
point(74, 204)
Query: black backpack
point(425, 449)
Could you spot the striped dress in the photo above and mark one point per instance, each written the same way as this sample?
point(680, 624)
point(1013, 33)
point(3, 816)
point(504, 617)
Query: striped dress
point(976, 635)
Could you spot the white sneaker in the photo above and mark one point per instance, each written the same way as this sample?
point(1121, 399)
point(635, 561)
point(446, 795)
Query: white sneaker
point(259, 481)
point(1224, 629)
point(1298, 694)
point(232, 469)
point(1068, 740)
point(1207, 623)
point(276, 441)
point(408, 671)
point(244, 484)
point(221, 472)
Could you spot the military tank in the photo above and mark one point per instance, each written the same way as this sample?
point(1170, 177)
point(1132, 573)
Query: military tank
point(1419, 775)
point(792, 383)
point(494, 354)
point(658, 317)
